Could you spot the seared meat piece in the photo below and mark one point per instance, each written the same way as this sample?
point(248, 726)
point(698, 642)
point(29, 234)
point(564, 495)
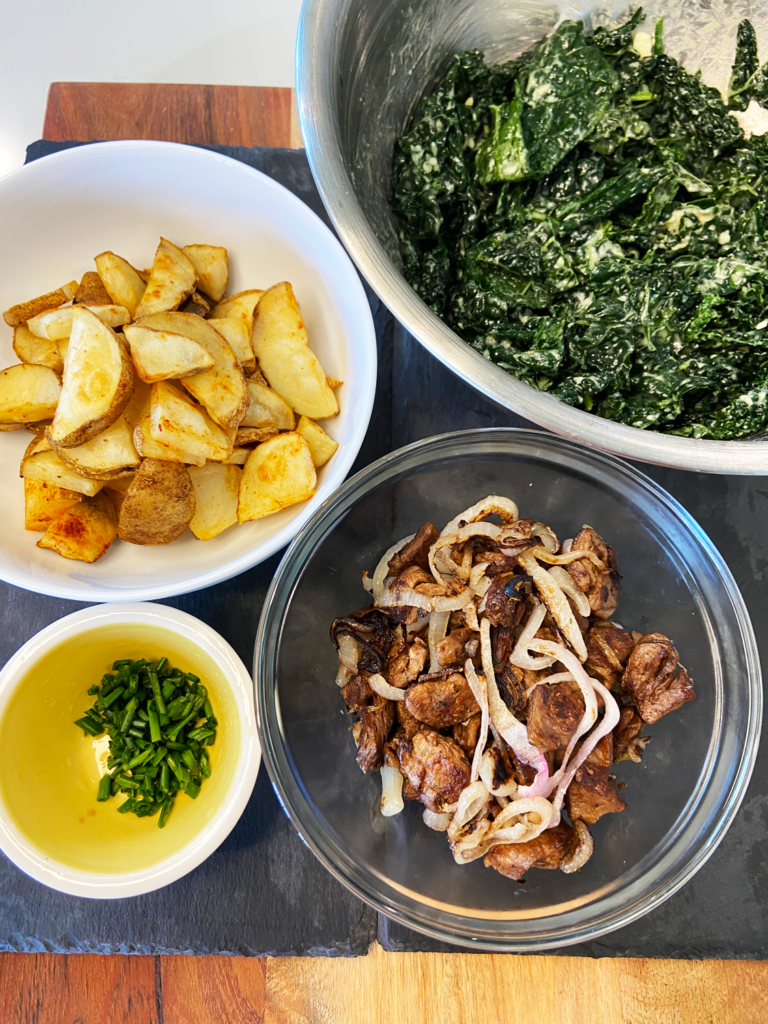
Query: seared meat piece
point(554, 711)
point(511, 685)
point(546, 851)
point(415, 552)
point(650, 679)
point(443, 701)
point(505, 598)
point(593, 792)
point(435, 766)
point(401, 609)
point(608, 648)
point(466, 734)
point(501, 644)
point(602, 586)
point(407, 725)
point(371, 732)
point(357, 694)
point(451, 650)
point(628, 744)
point(406, 663)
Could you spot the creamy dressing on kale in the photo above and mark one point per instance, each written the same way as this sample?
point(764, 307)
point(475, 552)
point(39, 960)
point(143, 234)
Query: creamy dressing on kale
point(593, 221)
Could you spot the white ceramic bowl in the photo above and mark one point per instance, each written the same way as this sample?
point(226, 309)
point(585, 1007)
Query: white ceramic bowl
point(205, 825)
point(59, 212)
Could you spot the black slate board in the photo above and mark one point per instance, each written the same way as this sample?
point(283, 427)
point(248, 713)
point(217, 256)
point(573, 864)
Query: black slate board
point(262, 892)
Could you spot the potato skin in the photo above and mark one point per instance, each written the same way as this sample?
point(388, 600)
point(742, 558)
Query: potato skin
point(159, 505)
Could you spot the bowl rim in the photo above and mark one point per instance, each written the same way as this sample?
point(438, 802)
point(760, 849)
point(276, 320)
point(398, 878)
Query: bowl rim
point(317, 89)
point(33, 861)
point(365, 342)
point(390, 898)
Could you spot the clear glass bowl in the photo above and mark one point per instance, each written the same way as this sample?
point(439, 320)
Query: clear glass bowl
point(680, 800)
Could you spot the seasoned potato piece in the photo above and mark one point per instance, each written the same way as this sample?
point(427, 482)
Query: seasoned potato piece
point(138, 406)
point(333, 383)
point(159, 504)
point(161, 355)
point(321, 446)
point(239, 457)
point(174, 419)
point(91, 291)
point(254, 435)
point(239, 306)
point(28, 393)
point(43, 502)
point(149, 449)
point(235, 331)
point(171, 282)
point(97, 385)
point(281, 346)
point(196, 304)
point(221, 389)
point(106, 456)
point(56, 324)
point(84, 531)
point(123, 283)
point(211, 268)
point(40, 351)
point(47, 466)
point(216, 492)
point(278, 473)
point(267, 409)
point(26, 310)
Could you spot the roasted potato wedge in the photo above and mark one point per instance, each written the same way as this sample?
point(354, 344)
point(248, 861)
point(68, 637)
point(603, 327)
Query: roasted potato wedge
point(26, 310)
point(278, 473)
point(239, 457)
point(40, 351)
point(138, 406)
point(47, 466)
point(175, 420)
point(84, 531)
point(43, 502)
point(321, 446)
point(108, 455)
point(28, 393)
point(171, 282)
point(239, 306)
point(267, 409)
point(149, 449)
point(235, 331)
point(56, 324)
point(196, 304)
point(221, 389)
point(97, 384)
point(123, 283)
point(162, 355)
point(211, 265)
point(91, 291)
point(254, 435)
point(216, 493)
point(158, 506)
point(281, 346)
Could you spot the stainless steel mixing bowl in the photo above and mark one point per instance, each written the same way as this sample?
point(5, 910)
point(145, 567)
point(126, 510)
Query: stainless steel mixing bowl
point(363, 65)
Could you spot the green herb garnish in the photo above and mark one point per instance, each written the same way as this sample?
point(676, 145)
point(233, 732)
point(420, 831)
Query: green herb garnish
point(594, 222)
point(159, 720)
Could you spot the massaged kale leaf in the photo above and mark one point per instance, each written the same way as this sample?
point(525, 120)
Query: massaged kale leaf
point(594, 222)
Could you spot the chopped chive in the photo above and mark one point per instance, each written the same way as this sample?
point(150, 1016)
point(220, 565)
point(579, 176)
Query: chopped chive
point(154, 726)
point(154, 682)
point(165, 778)
point(130, 711)
point(207, 709)
point(89, 727)
point(125, 662)
point(108, 701)
point(167, 804)
point(161, 664)
point(189, 760)
point(125, 783)
point(192, 789)
point(126, 807)
point(158, 756)
point(105, 783)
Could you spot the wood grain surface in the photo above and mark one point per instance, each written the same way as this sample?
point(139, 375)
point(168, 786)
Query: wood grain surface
point(402, 988)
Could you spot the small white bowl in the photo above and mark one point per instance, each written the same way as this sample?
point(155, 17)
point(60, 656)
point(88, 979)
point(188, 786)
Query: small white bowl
point(58, 213)
point(68, 818)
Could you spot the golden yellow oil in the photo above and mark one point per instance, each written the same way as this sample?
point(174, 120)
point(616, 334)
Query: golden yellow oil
point(49, 771)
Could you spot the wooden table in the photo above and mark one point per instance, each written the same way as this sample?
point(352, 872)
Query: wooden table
point(401, 988)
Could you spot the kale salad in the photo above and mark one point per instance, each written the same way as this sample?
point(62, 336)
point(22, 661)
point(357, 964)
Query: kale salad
point(593, 220)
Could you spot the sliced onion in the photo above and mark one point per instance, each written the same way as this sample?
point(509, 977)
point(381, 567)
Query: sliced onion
point(460, 536)
point(556, 602)
point(453, 604)
point(473, 799)
point(343, 675)
point(557, 677)
point(520, 653)
point(566, 546)
point(567, 557)
point(582, 853)
point(478, 582)
point(470, 614)
point(479, 689)
point(418, 625)
point(473, 845)
point(438, 626)
point(367, 582)
point(391, 791)
point(486, 773)
point(403, 597)
point(381, 569)
point(565, 581)
point(439, 821)
point(503, 507)
point(380, 685)
point(519, 808)
point(349, 652)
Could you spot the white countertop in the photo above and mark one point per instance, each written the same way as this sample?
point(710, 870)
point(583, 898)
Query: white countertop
point(212, 42)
